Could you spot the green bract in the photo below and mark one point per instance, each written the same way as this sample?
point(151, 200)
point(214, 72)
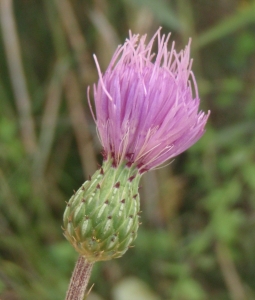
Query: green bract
point(101, 219)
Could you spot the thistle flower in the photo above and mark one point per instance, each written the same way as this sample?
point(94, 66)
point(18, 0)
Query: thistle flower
point(147, 112)
point(145, 109)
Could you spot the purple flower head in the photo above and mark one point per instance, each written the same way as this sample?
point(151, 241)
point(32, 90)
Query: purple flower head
point(147, 104)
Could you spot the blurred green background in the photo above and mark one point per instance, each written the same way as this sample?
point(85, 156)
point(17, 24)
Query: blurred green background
point(197, 240)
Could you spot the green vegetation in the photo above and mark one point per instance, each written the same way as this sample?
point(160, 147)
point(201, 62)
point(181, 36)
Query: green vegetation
point(197, 240)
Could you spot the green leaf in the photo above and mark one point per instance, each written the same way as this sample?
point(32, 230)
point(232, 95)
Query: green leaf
point(227, 26)
point(161, 10)
point(188, 289)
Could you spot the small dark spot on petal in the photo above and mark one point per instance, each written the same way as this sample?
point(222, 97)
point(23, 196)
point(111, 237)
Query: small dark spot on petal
point(139, 166)
point(104, 154)
point(130, 156)
point(117, 185)
point(131, 178)
point(129, 164)
point(141, 171)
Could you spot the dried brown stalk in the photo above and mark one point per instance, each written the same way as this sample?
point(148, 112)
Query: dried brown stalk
point(17, 75)
point(80, 124)
point(75, 38)
point(228, 269)
point(50, 117)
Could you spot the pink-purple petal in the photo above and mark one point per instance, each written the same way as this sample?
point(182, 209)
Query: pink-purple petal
point(145, 109)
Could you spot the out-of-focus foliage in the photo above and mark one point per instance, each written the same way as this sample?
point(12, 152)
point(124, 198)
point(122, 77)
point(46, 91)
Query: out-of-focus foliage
point(197, 240)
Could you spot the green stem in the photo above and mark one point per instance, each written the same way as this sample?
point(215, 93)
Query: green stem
point(79, 280)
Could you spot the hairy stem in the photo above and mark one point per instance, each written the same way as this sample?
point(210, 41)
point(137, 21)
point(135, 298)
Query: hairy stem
point(79, 280)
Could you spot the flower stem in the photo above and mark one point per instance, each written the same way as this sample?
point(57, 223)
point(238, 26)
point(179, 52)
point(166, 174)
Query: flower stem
point(79, 280)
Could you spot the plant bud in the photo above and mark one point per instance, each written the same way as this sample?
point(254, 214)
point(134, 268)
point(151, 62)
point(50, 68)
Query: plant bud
point(101, 219)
